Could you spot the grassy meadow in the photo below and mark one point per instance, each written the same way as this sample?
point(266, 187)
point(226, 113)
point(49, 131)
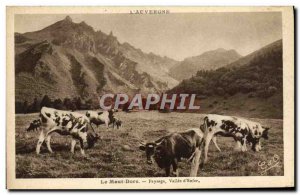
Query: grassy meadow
point(117, 153)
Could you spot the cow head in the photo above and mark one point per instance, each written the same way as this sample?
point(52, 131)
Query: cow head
point(265, 132)
point(154, 151)
point(119, 123)
point(255, 143)
point(31, 127)
point(257, 132)
point(149, 148)
point(92, 138)
point(37, 122)
point(34, 124)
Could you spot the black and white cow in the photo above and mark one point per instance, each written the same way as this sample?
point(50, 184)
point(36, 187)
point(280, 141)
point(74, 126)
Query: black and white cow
point(101, 117)
point(116, 122)
point(169, 150)
point(240, 129)
point(34, 125)
point(65, 123)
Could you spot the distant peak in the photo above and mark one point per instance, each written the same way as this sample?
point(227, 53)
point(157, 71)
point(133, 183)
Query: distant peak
point(83, 23)
point(221, 50)
point(68, 18)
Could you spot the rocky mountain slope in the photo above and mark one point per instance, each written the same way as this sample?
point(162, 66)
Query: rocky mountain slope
point(68, 59)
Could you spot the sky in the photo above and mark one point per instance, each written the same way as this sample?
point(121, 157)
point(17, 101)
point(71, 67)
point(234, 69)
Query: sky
point(176, 35)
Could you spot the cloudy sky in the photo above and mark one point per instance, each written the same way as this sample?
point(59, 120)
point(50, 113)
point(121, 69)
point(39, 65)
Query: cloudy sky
point(177, 35)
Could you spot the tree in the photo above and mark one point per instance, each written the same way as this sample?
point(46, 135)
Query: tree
point(34, 107)
point(25, 107)
point(46, 101)
point(77, 101)
point(58, 104)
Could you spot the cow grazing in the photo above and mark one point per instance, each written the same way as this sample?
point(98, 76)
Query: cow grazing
point(34, 125)
point(102, 117)
point(117, 122)
point(65, 123)
point(241, 130)
point(169, 150)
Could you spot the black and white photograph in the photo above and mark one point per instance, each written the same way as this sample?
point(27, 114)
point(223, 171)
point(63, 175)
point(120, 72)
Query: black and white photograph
point(160, 97)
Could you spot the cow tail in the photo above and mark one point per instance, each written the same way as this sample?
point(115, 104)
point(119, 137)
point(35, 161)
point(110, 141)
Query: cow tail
point(204, 128)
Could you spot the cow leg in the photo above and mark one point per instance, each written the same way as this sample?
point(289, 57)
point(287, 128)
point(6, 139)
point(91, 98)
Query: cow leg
point(206, 145)
point(175, 168)
point(214, 139)
point(167, 169)
point(73, 143)
point(258, 146)
point(48, 138)
point(107, 124)
point(244, 144)
point(238, 146)
point(81, 147)
point(195, 163)
point(48, 142)
point(40, 142)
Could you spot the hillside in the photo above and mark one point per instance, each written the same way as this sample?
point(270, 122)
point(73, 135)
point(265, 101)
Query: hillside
point(209, 60)
point(277, 45)
point(253, 83)
point(68, 59)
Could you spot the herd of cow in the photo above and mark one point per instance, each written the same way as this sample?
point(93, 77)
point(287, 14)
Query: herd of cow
point(166, 151)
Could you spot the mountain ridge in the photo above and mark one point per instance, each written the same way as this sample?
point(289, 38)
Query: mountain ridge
point(209, 60)
point(55, 53)
point(253, 87)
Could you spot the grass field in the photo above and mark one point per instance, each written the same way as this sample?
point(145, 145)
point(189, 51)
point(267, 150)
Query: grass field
point(109, 157)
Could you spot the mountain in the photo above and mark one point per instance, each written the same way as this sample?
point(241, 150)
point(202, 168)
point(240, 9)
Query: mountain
point(68, 59)
point(275, 47)
point(209, 60)
point(252, 85)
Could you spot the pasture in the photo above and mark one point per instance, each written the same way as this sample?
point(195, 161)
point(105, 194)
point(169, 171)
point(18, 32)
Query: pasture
point(112, 158)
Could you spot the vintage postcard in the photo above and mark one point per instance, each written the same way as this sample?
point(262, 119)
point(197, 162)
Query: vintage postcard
point(150, 97)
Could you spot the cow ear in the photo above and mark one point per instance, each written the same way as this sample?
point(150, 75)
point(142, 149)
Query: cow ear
point(142, 147)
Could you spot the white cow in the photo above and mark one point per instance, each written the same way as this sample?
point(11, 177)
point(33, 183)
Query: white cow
point(101, 117)
point(65, 123)
point(240, 129)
